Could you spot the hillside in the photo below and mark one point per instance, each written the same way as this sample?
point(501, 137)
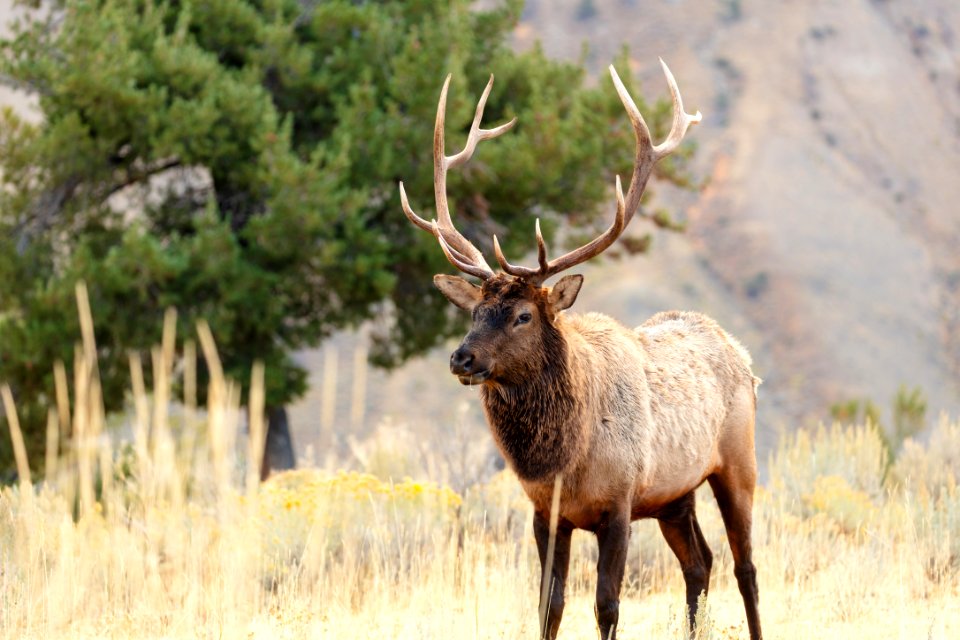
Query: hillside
point(825, 236)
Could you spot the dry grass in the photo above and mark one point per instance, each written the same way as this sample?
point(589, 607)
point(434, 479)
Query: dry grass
point(168, 537)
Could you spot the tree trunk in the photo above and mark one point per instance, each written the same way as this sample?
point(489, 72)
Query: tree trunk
point(278, 449)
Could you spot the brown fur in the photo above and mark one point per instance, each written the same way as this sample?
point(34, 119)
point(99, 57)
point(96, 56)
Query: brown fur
point(633, 419)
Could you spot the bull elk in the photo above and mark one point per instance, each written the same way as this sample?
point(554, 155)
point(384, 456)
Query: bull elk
point(609, 424)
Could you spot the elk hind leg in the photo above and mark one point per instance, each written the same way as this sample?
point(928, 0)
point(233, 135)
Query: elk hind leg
point(678, 523)
point(734, 493)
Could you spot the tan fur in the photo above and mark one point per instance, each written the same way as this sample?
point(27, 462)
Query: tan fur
point(663, 406)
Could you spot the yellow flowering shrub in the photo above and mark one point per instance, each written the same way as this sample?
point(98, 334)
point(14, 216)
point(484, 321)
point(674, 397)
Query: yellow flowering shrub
point(833, 496)
point(803, 457)
point(313, 515)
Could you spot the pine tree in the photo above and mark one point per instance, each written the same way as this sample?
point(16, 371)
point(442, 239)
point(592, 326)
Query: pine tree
point(238, 160)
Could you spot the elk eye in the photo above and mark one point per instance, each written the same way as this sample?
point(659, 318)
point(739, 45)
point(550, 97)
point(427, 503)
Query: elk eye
point(524, 318)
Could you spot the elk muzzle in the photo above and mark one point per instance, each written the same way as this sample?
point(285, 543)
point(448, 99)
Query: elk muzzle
point(465, 364)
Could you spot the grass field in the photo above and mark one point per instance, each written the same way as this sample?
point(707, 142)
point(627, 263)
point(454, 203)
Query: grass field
point(171, 536)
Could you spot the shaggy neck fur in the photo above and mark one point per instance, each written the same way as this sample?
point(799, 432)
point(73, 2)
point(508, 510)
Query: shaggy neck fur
point(536, 421)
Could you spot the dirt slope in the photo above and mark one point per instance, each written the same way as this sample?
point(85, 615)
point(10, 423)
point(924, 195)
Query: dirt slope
point(826, 238)
point(832, 143)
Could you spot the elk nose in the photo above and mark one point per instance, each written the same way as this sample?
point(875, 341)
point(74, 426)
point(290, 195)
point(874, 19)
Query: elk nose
point(461, 362)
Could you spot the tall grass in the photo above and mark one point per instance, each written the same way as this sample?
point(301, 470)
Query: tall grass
point(170, 535)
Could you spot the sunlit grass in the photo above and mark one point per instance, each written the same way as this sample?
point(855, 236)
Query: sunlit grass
point(171, 536)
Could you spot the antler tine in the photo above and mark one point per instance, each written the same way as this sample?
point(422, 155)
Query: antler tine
point(441, 162)
point(518, 270)
point(644, 158)
point(541, 247)
point(459, 260)
point(513, 269)
point(681, 119)
point(476, 133)
point(597, 245)
point(640, 130)
point(409, 212)
point(547, 269)
point(423, 224)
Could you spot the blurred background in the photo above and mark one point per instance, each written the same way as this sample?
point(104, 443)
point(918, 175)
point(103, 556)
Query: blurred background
point(814, 215)
point(825, 236)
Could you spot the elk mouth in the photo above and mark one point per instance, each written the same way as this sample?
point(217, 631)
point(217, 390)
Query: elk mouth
point(474, 378)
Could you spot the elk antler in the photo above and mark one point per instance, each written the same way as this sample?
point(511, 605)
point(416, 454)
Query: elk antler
point(647, 155)
point(459, 251)
point(467, 258)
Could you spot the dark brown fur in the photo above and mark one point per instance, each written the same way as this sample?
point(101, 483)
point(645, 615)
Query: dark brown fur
point(533, 411)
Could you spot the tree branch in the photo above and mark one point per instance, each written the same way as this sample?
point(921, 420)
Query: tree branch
point(139, 176)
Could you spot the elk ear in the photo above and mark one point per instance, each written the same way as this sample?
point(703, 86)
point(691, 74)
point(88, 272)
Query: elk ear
point(458, 291)
point(564, 293)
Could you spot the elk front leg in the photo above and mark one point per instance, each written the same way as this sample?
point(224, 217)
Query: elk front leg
point(613, 537)
point(551, 606)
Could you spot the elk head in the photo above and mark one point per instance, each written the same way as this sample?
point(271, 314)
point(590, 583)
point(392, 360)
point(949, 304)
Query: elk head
point(514, 315)
point(513, 333)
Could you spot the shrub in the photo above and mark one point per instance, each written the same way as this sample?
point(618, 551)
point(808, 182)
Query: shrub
point(307, 514)
point(854, 455)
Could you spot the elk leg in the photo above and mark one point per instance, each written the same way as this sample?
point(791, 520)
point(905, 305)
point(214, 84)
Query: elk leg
point(613, 536)
point(678, 523)
point(553, 611)
point(735, 499)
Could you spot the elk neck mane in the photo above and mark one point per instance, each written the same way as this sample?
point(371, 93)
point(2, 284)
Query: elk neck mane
point(536, 420)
